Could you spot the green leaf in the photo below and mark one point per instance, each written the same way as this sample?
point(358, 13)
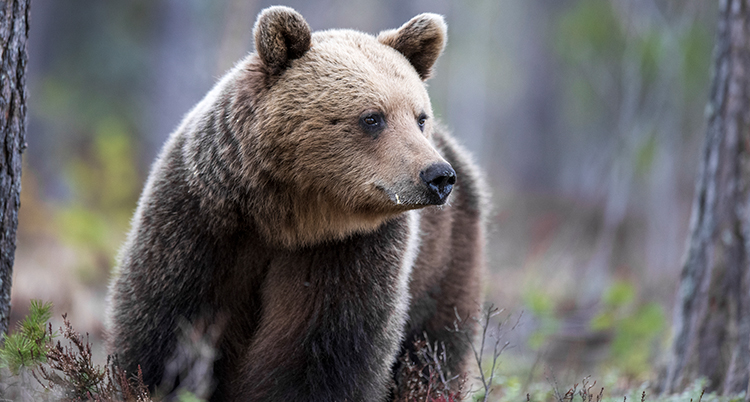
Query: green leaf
point(619, 294)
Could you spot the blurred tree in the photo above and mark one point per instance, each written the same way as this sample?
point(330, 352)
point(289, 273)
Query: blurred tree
point(712, 316)
point(14, 30)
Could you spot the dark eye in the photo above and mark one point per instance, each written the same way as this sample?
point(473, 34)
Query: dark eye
point(421, 120)
point(372, 123)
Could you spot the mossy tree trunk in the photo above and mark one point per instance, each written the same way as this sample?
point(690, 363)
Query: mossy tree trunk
point(712, 316)
point(14, 29)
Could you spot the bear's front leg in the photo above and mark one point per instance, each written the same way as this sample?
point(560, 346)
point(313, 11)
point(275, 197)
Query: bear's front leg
point(331, 323)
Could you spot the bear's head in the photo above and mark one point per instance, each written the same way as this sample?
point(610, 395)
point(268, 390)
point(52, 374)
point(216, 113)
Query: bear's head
point(338, 126)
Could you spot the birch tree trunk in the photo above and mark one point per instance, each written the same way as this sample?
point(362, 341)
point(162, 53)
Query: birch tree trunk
point(712, 315)
point(14, 29)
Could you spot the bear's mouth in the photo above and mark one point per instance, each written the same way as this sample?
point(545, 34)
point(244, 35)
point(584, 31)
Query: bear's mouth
point(392, 195)
point(410, 196)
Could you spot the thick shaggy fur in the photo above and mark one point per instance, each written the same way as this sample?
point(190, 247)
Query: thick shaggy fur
point(311, 239)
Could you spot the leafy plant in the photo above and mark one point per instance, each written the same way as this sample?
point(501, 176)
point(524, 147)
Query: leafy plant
point(541, 307)
point(27, 347)
point(423, 378)
point(635, 329)
point(71, 373)
point(105, 183)
point(65, 373)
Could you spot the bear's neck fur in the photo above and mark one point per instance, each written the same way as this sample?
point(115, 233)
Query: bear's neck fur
point(320, 301)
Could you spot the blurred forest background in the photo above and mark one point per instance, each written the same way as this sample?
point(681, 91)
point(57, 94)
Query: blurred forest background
point(586, 115)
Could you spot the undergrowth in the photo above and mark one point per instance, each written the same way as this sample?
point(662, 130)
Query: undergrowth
point(27, 346)
point(35, 367)
point(60, 372)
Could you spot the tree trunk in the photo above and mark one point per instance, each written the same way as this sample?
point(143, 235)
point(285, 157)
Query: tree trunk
point(712, 316)
point(14, 30)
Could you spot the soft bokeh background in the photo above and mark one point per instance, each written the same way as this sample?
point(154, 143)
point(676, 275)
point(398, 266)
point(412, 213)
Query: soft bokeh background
point(586, 115)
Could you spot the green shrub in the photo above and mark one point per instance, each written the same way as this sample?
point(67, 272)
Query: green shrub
point(27, 347)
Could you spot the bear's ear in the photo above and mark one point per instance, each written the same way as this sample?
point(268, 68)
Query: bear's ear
point(281, 35)
point(421, 40)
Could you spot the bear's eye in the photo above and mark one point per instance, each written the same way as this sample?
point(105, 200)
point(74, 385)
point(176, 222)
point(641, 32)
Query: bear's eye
point(421, 120)
point(372, 123)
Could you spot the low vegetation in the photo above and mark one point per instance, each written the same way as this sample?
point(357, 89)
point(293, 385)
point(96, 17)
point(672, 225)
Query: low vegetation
point(36, 366)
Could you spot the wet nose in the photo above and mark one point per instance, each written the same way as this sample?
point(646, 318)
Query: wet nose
point(439, 178)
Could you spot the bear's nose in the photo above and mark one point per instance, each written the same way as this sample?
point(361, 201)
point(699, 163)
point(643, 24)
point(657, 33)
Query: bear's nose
point(439, 178)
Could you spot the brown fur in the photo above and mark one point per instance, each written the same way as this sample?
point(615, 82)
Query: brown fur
point(275, 28)
point(421, 40)
point(447, 273)
point(272, 207)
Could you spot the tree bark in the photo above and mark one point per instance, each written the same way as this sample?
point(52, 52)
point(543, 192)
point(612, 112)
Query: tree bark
point(14, 30)
point(712, 315)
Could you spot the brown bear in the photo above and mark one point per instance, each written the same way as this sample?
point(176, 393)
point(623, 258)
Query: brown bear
point(311, 203)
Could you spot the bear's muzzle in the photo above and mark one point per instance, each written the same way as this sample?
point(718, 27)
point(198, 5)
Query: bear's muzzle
point(439, 179)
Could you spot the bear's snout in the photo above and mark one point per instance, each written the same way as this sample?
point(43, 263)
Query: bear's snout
point(439, 178)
